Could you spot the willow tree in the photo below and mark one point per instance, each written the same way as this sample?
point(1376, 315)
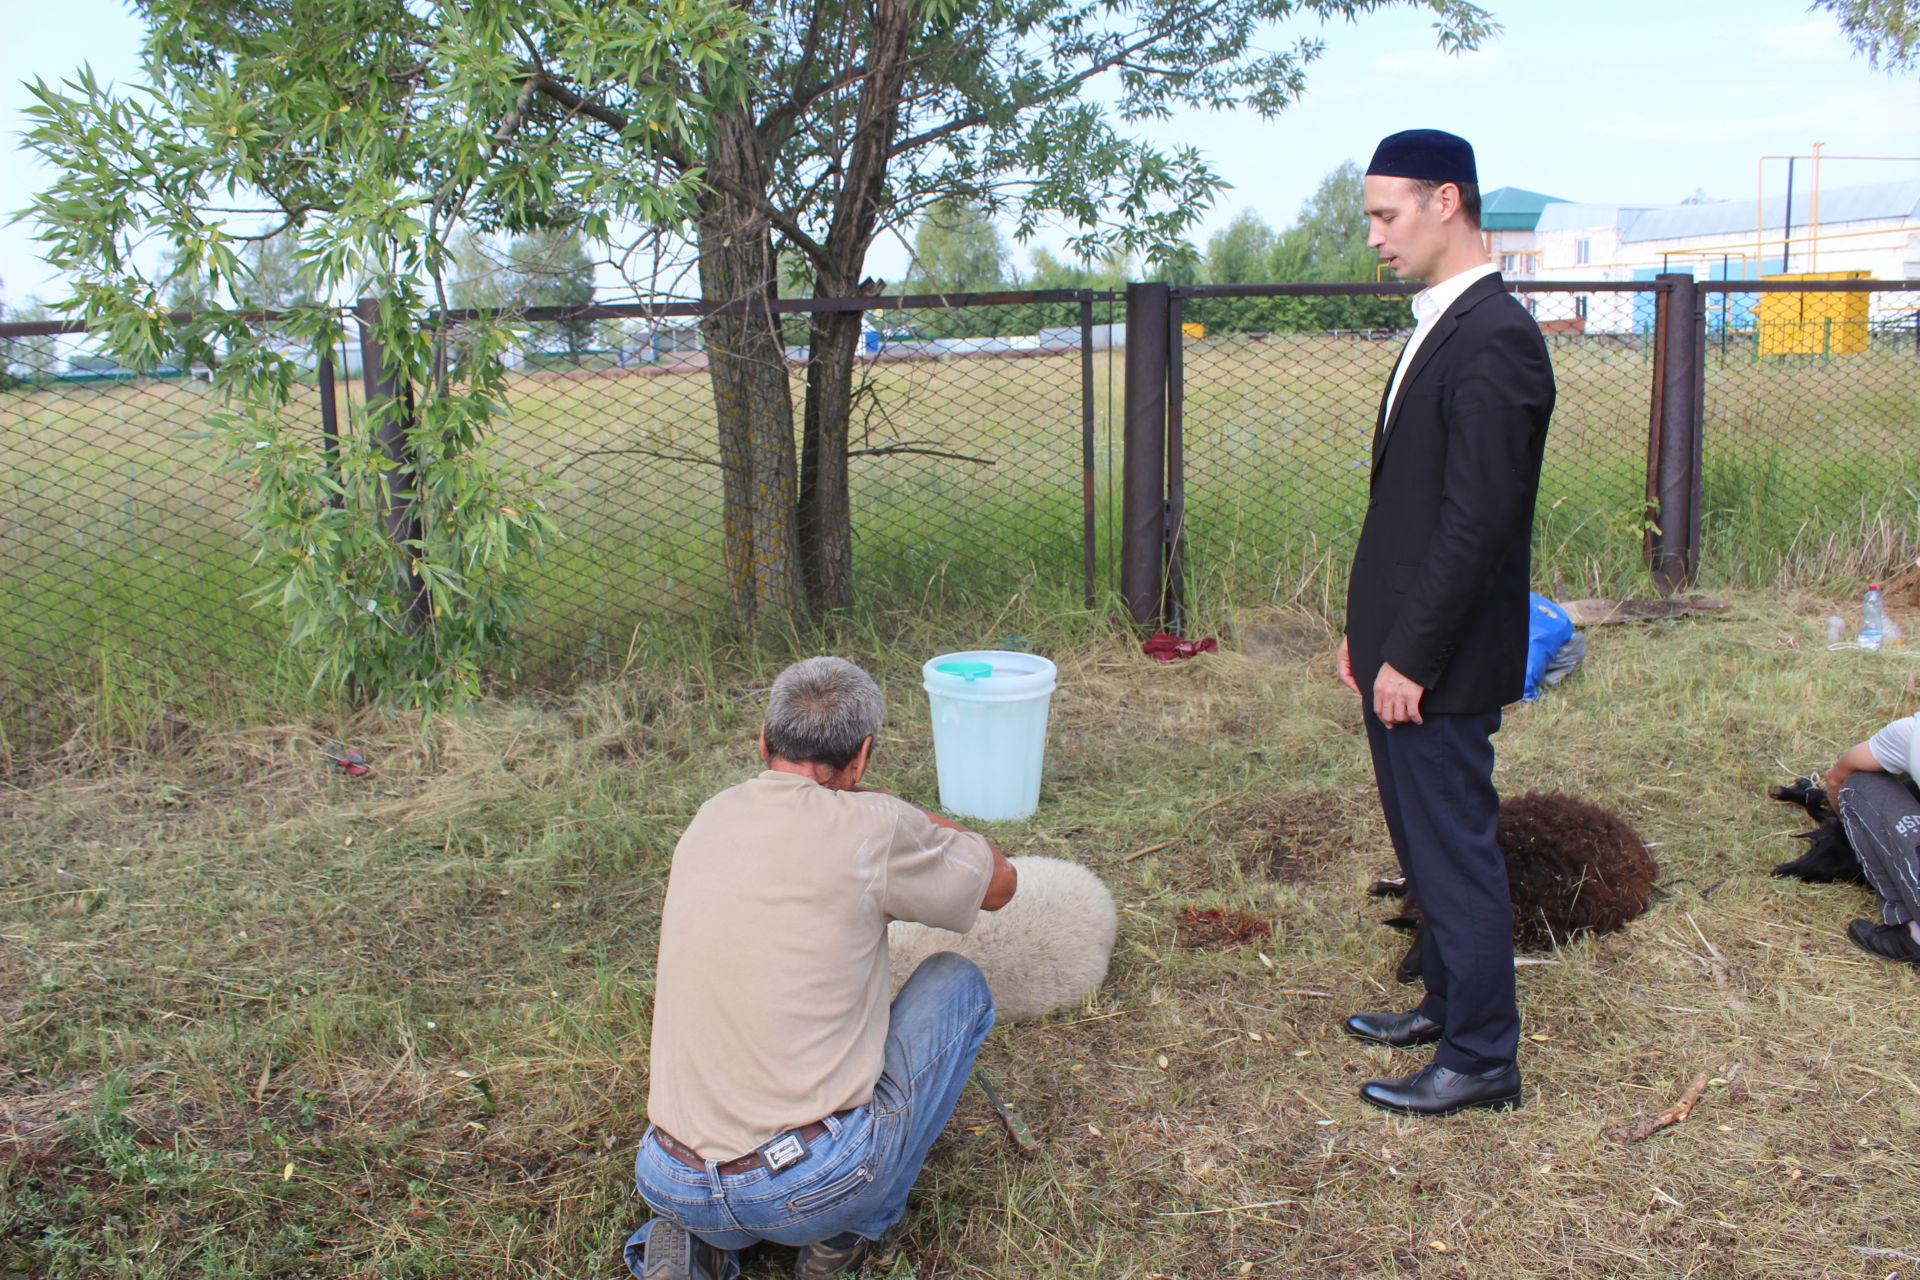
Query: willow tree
point(371, 135)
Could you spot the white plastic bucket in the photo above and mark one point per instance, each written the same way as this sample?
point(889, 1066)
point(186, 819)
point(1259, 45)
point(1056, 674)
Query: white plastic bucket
point(989, 730)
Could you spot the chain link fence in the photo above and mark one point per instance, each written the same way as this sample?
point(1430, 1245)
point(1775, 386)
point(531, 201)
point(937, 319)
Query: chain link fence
point(125, 557)
point(1811, 432)
point(968, 442)
point(985, 462)
point(1277, 428)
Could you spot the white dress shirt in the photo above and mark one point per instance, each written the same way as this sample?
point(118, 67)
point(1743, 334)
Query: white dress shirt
point(1428, 306)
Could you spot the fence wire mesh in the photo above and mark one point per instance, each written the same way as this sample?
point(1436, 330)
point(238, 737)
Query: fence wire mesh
point(122, 549)
point(965, 474)
point(124, 552)
point(125, 557)
point(1810, 454)
point(1278, 428)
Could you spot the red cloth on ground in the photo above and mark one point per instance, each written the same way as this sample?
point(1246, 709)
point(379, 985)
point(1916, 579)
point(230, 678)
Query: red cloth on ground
point(1170, 648)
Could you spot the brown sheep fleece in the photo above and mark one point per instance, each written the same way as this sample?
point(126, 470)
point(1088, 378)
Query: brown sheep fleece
point(1572, 868)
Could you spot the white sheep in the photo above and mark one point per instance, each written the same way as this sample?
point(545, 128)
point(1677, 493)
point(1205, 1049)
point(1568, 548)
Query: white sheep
point(1045, 950)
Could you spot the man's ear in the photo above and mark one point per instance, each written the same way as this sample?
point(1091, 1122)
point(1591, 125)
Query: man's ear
point(764, 757)
point(857, 767)
point(1448, 197)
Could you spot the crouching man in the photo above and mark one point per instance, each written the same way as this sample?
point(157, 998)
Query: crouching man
point(1872, 785)
point(789, 1103)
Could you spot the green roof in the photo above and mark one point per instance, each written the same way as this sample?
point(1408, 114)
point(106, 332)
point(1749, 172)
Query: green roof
point(1512, 209)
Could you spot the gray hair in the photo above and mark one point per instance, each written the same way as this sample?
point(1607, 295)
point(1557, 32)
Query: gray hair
point(821, 710)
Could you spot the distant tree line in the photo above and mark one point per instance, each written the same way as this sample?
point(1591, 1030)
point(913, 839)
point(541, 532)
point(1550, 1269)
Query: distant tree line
point(957, 249)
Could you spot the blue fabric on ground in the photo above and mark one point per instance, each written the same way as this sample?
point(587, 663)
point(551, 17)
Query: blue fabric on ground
point(1548, 627)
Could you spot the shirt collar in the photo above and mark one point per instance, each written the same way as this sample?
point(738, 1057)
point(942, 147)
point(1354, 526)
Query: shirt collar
point(1430, 302)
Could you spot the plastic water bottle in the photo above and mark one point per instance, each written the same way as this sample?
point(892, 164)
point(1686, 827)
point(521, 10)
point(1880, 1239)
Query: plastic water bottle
point(1873, 619)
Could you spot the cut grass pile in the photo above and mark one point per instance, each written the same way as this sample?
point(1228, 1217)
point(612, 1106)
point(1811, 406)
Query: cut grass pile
point(263, 1018)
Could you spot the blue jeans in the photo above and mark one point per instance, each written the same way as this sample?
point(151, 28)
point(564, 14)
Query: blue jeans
point(857, 1174)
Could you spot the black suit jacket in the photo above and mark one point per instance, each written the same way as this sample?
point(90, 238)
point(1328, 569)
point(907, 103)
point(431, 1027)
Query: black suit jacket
point(1440, 579)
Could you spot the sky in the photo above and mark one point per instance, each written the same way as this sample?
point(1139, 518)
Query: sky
point(1635, 102)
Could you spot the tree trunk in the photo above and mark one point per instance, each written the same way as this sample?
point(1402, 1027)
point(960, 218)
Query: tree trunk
point(752, 402)
point(826, 516)
point(825, 512)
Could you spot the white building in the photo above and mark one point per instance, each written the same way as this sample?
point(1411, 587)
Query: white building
point(1870, 230)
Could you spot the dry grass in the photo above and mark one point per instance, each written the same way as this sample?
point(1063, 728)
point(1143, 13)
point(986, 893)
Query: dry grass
point(265, 1019)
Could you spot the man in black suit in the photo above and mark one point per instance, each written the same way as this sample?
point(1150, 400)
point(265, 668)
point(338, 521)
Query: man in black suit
point(1436, 638)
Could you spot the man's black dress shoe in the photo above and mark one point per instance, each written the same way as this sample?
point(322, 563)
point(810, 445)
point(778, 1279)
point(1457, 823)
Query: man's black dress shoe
point(1401, 1030)
point(1435, 1091)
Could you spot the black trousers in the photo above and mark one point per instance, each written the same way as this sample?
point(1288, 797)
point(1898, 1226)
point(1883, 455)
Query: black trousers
point(1882, 816)
point(1436, 789)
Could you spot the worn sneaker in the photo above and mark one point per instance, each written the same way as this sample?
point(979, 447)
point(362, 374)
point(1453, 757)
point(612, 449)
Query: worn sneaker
point(673, 1253)
point(841, 1255)
point(1888, 941)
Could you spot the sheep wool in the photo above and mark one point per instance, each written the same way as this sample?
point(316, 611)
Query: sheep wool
point(1045, 950)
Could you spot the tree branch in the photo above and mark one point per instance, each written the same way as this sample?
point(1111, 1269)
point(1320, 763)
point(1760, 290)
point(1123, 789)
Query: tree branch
point(293, 216)
point(806, 97)
point(619, 121)
point(1059, 87)
point(647, 453)
point(511, 125)
point(885, 449)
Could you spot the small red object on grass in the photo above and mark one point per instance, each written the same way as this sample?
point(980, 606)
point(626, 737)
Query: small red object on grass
point(1171, 648)
point(347, 758)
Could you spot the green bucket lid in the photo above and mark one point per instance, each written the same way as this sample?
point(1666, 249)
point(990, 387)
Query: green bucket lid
point(966, 670)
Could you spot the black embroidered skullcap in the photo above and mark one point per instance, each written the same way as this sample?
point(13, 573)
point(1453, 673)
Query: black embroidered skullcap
point(1426, 155)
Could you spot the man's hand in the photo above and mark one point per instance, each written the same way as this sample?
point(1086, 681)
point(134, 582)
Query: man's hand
point(1396, 699)
point(1346, 667)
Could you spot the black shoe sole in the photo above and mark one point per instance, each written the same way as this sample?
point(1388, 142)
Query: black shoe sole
point(1510, 1103)
point(1392, 1044)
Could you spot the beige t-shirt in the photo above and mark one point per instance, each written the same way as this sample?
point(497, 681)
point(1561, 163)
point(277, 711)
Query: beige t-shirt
point(770, 999)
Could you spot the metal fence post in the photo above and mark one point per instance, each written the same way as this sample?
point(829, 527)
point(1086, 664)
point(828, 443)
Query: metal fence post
point(1143, 486)
point(1175, 530)
point(1089, 527)
point(329, 419)
point(390, 408)
point(1674, 442)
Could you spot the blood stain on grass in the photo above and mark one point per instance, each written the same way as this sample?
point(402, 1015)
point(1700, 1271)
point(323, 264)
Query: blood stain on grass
point(1211, 927)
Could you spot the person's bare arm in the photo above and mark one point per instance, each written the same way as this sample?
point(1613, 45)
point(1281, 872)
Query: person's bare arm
point(1855, 759)
point(1004, 882)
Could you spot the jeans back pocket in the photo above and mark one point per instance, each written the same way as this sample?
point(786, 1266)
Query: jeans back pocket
point(844, 1187)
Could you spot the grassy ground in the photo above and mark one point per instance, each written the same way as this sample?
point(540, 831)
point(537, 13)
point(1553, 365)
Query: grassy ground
point(260, 1018)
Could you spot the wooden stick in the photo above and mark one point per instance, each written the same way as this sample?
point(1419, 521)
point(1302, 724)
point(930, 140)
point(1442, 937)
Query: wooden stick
point(1208, 808)
point(1152, 848)
point(1640, 1130)
point(1236, 1208)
